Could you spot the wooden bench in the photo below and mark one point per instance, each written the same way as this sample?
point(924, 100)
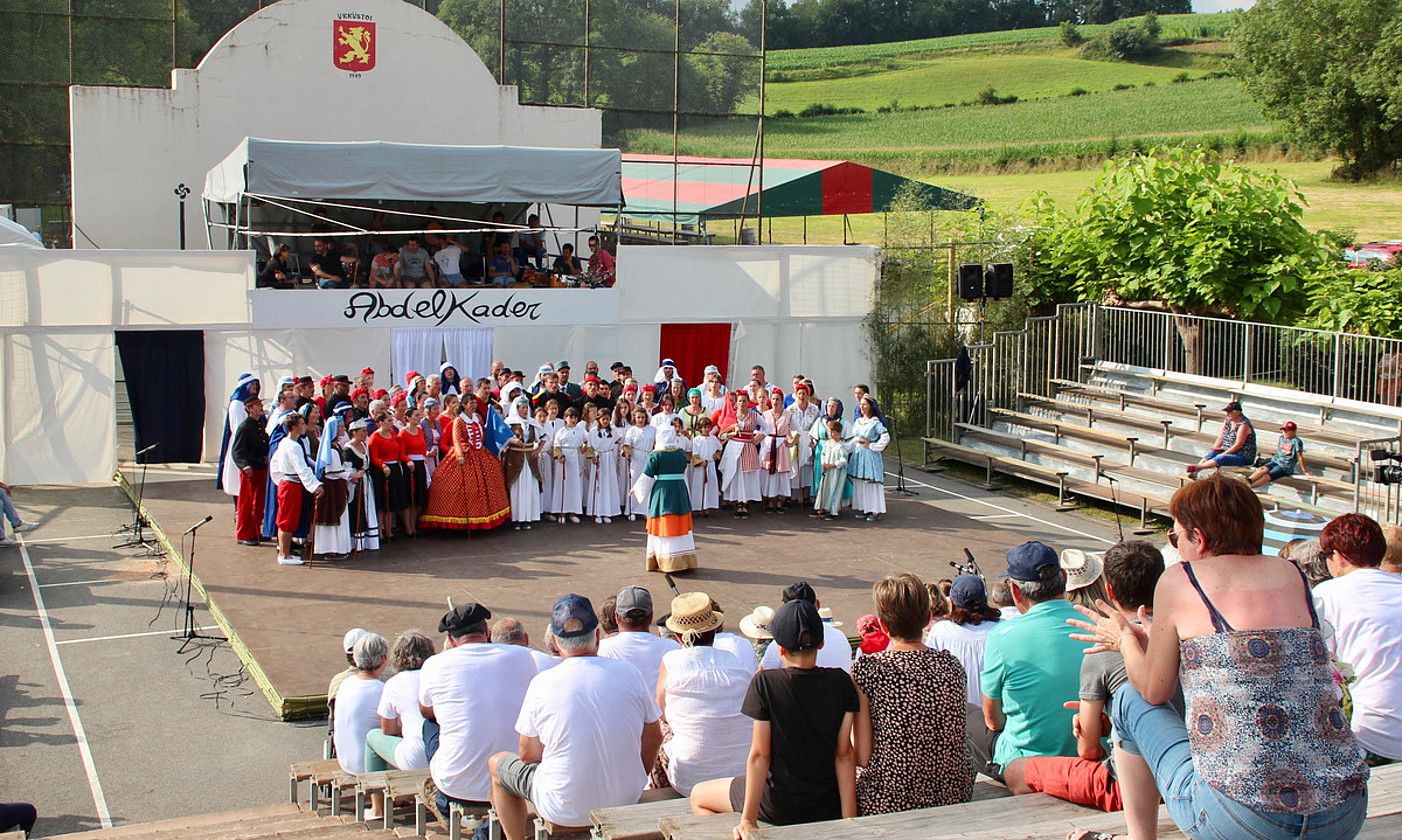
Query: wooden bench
point(711, 827)
point(641, 821)
point(318, 773)
point(396, 786)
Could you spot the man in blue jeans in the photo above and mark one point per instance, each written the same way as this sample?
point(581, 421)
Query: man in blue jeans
point(1235, 445)
point(7, 506)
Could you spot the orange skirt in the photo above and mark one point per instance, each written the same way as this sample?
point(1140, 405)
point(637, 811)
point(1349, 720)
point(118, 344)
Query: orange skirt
point(467, 496)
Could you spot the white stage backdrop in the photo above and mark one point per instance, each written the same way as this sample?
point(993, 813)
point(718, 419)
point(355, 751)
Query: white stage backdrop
point(58, 408)
point(420, 350)
point(470, 351)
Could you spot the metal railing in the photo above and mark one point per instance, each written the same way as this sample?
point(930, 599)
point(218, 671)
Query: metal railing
point(1333, 365)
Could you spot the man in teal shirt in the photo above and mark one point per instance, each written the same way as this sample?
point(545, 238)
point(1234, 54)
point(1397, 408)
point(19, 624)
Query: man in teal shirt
point(1031, 666)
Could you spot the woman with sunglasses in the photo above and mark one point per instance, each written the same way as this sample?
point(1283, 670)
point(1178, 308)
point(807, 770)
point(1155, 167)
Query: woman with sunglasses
point(1266, 750)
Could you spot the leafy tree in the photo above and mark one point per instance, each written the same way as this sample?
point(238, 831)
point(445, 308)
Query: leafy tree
point(1364, 302)
point(1331, 71)
point(1182, 230)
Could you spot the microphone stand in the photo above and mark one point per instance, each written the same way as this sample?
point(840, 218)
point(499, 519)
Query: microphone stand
point(139, 522)
point(190, 633)
point(900, 489)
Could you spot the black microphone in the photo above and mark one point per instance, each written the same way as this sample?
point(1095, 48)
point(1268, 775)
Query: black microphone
point(204, 521)
point(147, 449)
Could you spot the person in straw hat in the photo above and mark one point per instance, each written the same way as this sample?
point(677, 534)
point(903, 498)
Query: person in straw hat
point(700, 689)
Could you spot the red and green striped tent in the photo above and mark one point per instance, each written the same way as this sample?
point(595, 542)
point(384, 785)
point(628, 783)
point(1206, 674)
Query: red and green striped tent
point(727, 188)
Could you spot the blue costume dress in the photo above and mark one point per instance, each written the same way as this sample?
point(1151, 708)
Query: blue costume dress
point(866, 468)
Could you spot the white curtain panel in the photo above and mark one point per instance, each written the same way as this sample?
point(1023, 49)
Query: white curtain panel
point(420, 350)
point(59, 407)
point(470, 351)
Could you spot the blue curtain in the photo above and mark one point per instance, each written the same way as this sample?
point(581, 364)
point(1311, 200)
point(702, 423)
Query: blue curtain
point(164, 371)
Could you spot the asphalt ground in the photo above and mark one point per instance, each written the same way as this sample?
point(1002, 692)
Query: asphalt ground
point(104, 721)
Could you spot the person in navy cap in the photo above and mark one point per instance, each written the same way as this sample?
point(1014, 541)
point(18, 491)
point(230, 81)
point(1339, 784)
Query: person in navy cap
point(583, 727)
point(1030, 668)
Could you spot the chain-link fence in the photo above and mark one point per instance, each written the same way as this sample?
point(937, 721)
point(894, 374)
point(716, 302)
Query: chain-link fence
point(47, 45)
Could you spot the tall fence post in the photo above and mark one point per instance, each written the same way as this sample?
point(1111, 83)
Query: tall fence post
point(1248, 334)
point(1338, 386)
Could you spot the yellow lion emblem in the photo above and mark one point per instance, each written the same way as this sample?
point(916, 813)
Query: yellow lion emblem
point(356, 40)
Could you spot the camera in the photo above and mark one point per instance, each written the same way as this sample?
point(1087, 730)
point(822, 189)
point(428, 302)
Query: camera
point(968, 568)
point(1387, 466)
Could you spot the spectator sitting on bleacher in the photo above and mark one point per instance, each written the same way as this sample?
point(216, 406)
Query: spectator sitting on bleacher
point(510, 631)
point(1235, 445)
point(384, 270)
point(1364, 606)
point(700, 689)
point(1392, 559)
point(326, 266)
point(1288, 459)
point(836, 651)
point(399, 742)
point(567, 262)
point(909, 732)
point(802, 765)
point(469, 695)
point(1266, 750)
point(530, 243)
point(358, 701)
point(502, 269)
point(1031, 666)
point(277, 272)
point(1132, 570)
point(1001, 596)
point(348, 644)
point(415, 267)
point(964, 632)
point(589, 732)
point(634, 642)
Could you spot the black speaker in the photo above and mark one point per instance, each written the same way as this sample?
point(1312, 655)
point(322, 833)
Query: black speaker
point(970, 281)
point(999, 281)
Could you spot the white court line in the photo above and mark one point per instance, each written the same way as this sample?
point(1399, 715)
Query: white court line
point(79, 734)
point(909, 480)
point(80, 582)
point(125, 636)
point(74, 539)
point(989, 517)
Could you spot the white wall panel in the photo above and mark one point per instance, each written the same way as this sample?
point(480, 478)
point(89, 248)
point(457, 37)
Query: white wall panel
point(60, 411)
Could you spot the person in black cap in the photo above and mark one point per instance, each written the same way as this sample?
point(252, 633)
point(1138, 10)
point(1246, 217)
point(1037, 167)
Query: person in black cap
point(802, 766)
point(837, 650)
point(455, 686)
point(1235, 445)
point(584, 725)
point(619, 374)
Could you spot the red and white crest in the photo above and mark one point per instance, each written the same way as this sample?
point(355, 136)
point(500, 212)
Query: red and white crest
point(353, 45)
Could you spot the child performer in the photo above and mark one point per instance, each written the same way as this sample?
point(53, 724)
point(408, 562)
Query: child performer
point(701, 475)
point(549, 467)
point(638, 443)
point(566, 450)
point(833, 464)
point(603, 501)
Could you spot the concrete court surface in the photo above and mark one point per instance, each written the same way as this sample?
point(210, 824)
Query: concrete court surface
point(152, 734)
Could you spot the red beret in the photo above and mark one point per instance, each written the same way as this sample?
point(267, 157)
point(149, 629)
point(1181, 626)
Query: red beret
point(367, 372)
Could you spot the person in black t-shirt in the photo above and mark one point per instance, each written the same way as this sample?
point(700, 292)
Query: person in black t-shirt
point(802, 766)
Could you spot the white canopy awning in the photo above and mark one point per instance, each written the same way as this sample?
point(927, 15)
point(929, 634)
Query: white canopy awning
point(382, 171)
point(14, 233)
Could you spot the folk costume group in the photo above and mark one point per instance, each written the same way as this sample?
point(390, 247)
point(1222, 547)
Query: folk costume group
point(353, 467)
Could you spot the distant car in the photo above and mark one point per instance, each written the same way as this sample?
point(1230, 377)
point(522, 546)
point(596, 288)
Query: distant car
point(1375, 254)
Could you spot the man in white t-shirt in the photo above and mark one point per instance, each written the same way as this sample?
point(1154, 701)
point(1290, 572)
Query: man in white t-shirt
point(510, 631)
point(1364, 606)
point(469, 695)
point(836, 651)
point(448, 259)
point(589, 731)
point(634, 642)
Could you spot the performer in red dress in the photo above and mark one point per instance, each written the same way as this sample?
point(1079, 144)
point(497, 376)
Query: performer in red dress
point(469, 488)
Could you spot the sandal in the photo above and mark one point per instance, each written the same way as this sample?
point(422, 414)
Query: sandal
point(1084, 834)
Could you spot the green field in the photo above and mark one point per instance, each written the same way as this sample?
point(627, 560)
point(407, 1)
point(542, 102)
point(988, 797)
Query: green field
point(969, 137)
point(952, 78)
point(824, 58)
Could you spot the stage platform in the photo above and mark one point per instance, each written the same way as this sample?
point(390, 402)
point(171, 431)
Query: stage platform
point(286, 623)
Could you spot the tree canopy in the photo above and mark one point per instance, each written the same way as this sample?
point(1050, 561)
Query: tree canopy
point(1331, 71)
point(1183, 229)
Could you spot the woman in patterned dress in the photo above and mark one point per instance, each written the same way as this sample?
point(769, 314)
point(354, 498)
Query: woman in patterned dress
point(469, 487)
point(909, 733)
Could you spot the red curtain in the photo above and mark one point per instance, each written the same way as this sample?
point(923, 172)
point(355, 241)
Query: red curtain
point(693, 346)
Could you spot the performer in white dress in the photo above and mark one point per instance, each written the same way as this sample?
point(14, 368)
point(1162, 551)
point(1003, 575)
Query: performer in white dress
point(519, 461)
point(602, 491)
point(803, 413)
point(565, 448)
point(701, 478)
point(549, 467)
point(333, 532)
point(638, 443)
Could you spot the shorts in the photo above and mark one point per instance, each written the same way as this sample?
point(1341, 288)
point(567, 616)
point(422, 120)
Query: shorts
point(737, 794)
point(1236, 459)
point(453, 281)
point(1075, 780)
point(1277, 472)
point(517, 777)
point(289, 505)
